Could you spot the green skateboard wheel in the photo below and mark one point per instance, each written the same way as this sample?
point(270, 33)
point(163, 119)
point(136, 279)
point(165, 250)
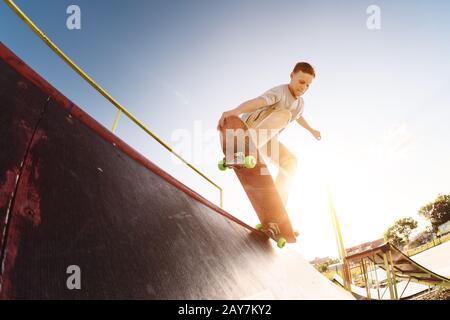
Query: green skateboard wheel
point(281, 243)
point(221, 165)
point(249, 162)
point(259, 226)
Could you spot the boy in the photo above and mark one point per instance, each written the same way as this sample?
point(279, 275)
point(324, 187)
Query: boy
point(272, 112)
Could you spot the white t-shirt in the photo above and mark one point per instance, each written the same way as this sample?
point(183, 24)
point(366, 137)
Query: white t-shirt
point(279, 98)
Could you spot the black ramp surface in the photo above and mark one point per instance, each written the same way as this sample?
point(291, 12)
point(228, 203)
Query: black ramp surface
point(81, 200)
point(21, 105)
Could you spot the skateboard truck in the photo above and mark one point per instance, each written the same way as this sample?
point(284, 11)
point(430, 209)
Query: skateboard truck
point(240, 160)
point(273, 231)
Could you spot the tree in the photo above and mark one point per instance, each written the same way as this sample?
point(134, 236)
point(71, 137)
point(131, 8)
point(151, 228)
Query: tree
point(334, 261)
point(398, 233)
point(437, 212)
point(323, 267)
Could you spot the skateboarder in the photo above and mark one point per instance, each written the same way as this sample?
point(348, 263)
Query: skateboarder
point(271, 113)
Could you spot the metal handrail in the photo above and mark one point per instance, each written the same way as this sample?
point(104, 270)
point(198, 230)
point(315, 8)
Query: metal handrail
point(103, 92)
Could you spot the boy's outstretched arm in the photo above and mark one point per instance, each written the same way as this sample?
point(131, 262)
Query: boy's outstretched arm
point(248, 106)
point(302, 121)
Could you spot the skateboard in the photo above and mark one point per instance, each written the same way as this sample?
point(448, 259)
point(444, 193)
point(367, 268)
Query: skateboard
point(242, 156)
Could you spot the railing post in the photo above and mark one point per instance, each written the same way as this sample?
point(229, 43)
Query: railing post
point(116, 120)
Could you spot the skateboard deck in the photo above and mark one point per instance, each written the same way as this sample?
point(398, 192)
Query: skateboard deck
point(256, 181)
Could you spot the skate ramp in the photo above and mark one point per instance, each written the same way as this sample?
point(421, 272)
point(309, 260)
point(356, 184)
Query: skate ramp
point(73, 194)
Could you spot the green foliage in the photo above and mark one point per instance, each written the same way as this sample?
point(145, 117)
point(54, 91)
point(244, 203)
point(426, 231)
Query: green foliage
point(334, 261)
point(323, 267)
point(437, 212)
point(399, 232)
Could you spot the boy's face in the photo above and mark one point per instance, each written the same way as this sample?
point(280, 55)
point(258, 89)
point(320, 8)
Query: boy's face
point(300, 82)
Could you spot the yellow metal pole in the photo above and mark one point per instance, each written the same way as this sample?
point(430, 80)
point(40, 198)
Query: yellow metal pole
point(376, 276)
point(116, 120)
point(340, 242)
point(384, 292)
point(407, 284)
point(369, 276)
point(388, 275)
point(364, 272)
point(97, 87)
point(394, 280)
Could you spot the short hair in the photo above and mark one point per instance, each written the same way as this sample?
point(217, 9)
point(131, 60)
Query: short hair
point(304, 67)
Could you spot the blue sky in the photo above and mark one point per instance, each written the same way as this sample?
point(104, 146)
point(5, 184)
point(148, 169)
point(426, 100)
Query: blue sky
point(380, 97)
